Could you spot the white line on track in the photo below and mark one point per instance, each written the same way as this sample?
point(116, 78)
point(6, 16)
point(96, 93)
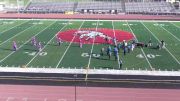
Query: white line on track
point(46, 45)
point(10, 99)
point(91, 53)
point(16, 35)
point(159, 42)
point(45, 99)
point(141, 48)
point(68, 19)
point(169, 32)
point(62, 99)
point(14, 27)
point(25, 99)
point(25, 43)
point(91, 20)
point(68, 46)
point(115, 37)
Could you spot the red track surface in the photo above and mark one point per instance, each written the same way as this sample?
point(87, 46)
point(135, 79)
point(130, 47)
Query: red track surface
point(89, 16)
point(67, 93)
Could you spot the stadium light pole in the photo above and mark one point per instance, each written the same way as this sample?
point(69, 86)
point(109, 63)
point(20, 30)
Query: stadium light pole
point(75, 77)
point(18, 5)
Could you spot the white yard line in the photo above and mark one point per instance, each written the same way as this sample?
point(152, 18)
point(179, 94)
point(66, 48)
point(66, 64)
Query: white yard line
point(68, 46)
point(13, 27)
point(45, 45)
point(115, 37)
point(169, 32)
point(24, 43)
point(90, 57)
point(159, 42)
point(174, 24)
point(16, 35)
point(141, 48)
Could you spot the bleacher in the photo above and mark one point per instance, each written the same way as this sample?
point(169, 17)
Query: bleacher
point(100, 7)
point(61, 7)
point(149, 7)
point(50, 7)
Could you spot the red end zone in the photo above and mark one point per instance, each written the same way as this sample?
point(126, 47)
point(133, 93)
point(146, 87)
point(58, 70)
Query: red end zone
point(87, 34)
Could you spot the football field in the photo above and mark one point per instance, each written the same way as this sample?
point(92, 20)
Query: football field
point(70, 55)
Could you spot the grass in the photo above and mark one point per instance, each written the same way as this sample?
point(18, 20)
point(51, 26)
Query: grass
point(69, 55)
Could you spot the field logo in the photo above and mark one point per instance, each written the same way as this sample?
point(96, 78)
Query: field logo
point(91, 34)
point(87, 35)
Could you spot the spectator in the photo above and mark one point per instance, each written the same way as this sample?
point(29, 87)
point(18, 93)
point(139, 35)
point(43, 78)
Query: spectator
point(120, 64)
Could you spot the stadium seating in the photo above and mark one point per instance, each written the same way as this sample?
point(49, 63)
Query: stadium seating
point(100, 6)
point(149, 7)
point(58, 7)
point(50, 7)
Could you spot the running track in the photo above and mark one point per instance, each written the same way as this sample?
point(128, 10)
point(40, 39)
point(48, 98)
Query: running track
point(67, 93)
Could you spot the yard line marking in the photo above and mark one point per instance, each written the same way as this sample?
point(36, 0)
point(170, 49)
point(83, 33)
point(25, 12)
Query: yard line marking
point(68, 46)
point(87, 70)
point(14, 27)
point(159, 42)
point(116, 43)
point(25, 43)
point(46, 45)
point(141, 48)
point(16, 34)
point(169, 32)
point(174, 24)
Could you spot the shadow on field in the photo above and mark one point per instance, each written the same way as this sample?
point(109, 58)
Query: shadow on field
point(53, 44)
point(6, 49)
point(101, 58)
point(93, 80)
point(32, 50)
point(58, 45)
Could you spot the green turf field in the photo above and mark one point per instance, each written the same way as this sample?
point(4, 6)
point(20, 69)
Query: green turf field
point(69, 55)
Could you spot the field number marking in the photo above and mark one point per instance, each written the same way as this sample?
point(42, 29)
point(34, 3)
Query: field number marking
point(151, 56)
point(8, 22)
point(95, 24)
point(34, 53)
point(88, 55)
point(160, 24)
point(129, 24)
point(37, 23)
point(66, 23)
